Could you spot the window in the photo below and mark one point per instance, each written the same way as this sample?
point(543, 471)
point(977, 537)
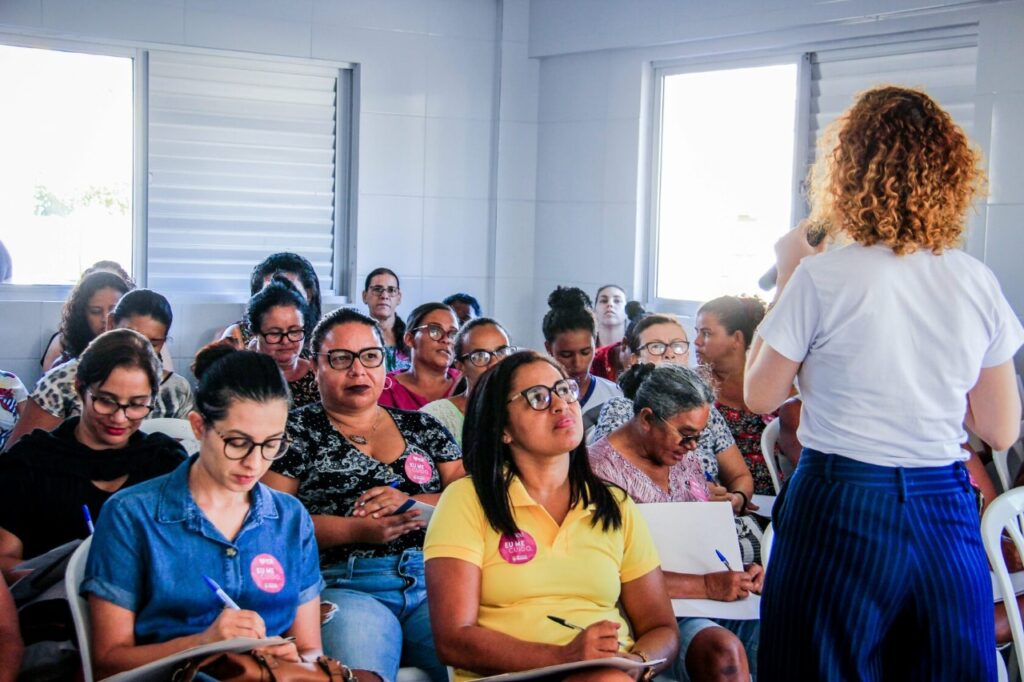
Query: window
point(724, 178)
point(229, 158)
point(66, 161)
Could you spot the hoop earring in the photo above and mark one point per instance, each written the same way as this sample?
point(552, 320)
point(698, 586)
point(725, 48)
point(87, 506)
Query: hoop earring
point(388, 383)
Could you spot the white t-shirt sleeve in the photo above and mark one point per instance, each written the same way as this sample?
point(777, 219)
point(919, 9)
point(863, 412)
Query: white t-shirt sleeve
point(1007, 333)
point(790, 327)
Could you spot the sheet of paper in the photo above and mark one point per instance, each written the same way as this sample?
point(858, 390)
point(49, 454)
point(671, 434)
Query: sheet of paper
point(617, 663)
point(163, 669)
point(765, 503)
point(687, 535)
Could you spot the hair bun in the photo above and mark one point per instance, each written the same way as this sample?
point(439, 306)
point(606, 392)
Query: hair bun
point(635, 311)
point(569, 298)
point(210, 354)
point(631, 379)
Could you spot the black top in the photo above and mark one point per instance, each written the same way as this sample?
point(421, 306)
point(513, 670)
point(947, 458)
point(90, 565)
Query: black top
point(333, 473)
point(46, 477)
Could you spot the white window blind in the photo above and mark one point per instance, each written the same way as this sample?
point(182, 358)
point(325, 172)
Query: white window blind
point(242, 160)
point(942, 63)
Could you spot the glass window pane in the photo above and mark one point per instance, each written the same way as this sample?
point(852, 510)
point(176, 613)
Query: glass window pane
point(726, 178)
point(66, 163)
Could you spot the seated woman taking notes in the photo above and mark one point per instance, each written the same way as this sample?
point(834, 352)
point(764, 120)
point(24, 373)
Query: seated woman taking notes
point(533, 533)
point(155, 544)
point(653, 458)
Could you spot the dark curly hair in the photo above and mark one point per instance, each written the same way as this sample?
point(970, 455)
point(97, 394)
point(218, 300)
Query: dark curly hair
point(737, 312)
point(280, 292)
point(570, 310)
point(74, 325)
point(294, 264)
point(896, 170)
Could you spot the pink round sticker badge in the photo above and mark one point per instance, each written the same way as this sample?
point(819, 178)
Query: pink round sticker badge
point(418, 468)
point(267, 573)
point(517, 549)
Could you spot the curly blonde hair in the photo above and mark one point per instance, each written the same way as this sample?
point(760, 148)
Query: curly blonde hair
point(896, 170)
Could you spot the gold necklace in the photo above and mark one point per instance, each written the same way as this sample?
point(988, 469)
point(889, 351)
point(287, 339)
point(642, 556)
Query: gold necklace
point(356, 438)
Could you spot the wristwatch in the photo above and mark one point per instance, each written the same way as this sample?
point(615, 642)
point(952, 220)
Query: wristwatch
point(648, 672)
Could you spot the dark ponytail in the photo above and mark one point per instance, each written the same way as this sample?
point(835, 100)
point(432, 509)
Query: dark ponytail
point(737, 312)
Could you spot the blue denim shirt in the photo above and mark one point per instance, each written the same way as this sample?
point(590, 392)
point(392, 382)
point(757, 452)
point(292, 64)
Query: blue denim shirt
point(153, 545)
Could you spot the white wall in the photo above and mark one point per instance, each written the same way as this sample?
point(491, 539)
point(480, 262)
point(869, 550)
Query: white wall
point(595, 92)
point(434, 202)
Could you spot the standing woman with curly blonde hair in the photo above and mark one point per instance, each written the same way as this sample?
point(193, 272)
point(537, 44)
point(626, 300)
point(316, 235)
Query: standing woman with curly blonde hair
point(878, 570)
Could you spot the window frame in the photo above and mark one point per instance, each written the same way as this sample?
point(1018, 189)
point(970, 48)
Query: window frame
point(798, 209)
point(345, 162)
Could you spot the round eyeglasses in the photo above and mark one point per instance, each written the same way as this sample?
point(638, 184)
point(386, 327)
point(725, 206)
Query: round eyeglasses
point(437, 332)
point(239, 447)
point(107, 407)
point(277, 337)
point(369, 358)
point(679, 347)
point(539, 397)
point(482, 358)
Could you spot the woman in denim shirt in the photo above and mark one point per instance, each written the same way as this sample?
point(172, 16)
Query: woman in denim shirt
point(355, 464)
point(154, 543)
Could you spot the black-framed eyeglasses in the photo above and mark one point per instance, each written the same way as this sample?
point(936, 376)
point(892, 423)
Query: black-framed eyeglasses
point(679, 347)
point(239, 447)
point(684, 439)
point(107, 407)
point(481, 357)
point(378, 290)
point(276, 337)
point(437, 332)
point(539, 397)
point(369, 358)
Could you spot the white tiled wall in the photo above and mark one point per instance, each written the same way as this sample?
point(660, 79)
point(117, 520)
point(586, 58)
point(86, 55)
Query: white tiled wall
point(428, 201)
point(595, 66)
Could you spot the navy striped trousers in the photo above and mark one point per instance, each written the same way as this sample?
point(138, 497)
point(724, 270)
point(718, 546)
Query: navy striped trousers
point(876, 573)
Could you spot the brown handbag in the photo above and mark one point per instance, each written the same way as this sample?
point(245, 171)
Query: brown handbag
point(255, 667)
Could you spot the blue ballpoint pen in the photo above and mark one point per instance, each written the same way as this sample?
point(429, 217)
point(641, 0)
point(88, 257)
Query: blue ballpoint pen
point(721, 557)
point(708, 477)
point(88, 519)
point(221, 594)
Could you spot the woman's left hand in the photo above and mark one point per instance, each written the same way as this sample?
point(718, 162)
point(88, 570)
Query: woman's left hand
point(756, 573)
point(379, 501)
point(286, 652)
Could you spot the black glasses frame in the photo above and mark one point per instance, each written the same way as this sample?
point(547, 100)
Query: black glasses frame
point(142, 410)
point(566, 389)
point(283, 443)
point(342, 359)
point(436, 331)
point(275, 338)
point(488, 355)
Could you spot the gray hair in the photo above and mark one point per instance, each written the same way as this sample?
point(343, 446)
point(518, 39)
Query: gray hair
point(668, 389)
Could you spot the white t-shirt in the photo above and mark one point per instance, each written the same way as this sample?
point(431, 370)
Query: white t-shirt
point(599, 391)
point(890, 346)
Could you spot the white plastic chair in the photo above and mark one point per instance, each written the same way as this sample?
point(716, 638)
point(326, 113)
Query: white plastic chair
point(73, 576)
point(178, 429)
point(768, 438)
point(1003, 514)
point(766, 545)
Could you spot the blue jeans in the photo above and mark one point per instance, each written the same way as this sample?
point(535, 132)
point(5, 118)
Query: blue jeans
point(382, 621)
point(748, 632)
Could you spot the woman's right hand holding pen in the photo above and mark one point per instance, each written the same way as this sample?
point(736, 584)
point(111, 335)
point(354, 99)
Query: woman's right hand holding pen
point(599, 640)
point(232, 623)
point(734, 585)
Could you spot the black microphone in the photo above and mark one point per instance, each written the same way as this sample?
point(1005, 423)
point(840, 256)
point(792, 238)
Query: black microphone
point(815, 235)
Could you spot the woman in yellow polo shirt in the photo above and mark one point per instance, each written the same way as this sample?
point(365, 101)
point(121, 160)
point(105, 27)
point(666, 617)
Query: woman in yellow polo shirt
point(534, 533)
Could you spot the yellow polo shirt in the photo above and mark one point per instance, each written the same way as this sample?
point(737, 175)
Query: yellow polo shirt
point(575, 572)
